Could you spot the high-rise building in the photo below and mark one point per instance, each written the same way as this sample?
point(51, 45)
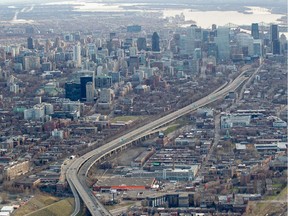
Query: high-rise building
point(30, 44)
point(155, 42)
point(274, 33)
point(91, 48)
point(223, 43)
point(245, 42)
point(106, 96)
point(77, 55)
point(134, 63)
point(276, 47)
point(89, 92)
point(193, 39)
point(103, 82)
point(255, 30)
point(212, 49)
point(83, 82)
point(141, 43)
point(73, 91)
point(31, 63)
point(274, 37)
point(283, 43)
point(257, 48)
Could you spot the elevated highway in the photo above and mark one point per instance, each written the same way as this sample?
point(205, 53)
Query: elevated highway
point(78, 170)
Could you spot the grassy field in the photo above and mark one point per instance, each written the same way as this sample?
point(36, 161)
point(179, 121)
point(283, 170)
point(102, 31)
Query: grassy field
point(35, 203)
point(62, 208)
point(282, 196)
point(125, 118)
point(272, 205)
point(171, 129)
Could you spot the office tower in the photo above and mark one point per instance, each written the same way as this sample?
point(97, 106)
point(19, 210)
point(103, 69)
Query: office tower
point(257, 48)
point(155, 42)
point(72, 91)
point(89, 92)
point(276, 47)
point(77, 55)
point(245, 42)
point(193, 39)
point(134, 63)
point(212, 49)
point(274, 37)
point(283, 43)
point(223, 43)
point(57, 42)
point(83, 82)
point(31, 63)
point(103, 82)
point(91, 50)
point(255, 30)
point(205, 35)
point(182, 44)
point(30, 44)
point(274, 34)
point(141, 43)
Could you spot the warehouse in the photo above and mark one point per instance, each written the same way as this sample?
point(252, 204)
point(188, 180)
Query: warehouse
point(124, 184)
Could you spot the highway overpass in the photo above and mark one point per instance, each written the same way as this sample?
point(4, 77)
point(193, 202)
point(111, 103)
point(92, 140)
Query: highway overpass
point(77, 172)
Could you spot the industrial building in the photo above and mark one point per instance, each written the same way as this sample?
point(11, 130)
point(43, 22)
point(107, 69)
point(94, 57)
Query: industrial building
point(124, 184)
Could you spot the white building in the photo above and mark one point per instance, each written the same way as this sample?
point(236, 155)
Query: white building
point(49, 109)
point(106, 96)
point(89, 92)
point(14, 88)
point(234, 120)
point(77, 55)
point(38, 112)
point(57, 133)
point(9, 209)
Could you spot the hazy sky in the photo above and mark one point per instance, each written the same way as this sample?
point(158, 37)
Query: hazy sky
point(260, 2)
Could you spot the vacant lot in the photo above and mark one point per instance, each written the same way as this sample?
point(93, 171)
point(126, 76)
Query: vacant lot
point(62, 208)
point(35, 203)
point(46, 205)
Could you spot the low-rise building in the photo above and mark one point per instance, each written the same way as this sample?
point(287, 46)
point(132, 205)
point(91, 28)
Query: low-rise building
point(16, 169)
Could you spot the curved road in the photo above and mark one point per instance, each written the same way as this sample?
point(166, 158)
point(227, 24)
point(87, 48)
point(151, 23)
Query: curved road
point(76, 174)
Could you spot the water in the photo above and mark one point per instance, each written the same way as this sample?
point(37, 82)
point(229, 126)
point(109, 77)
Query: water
point(206, 18)
point(202, 18)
